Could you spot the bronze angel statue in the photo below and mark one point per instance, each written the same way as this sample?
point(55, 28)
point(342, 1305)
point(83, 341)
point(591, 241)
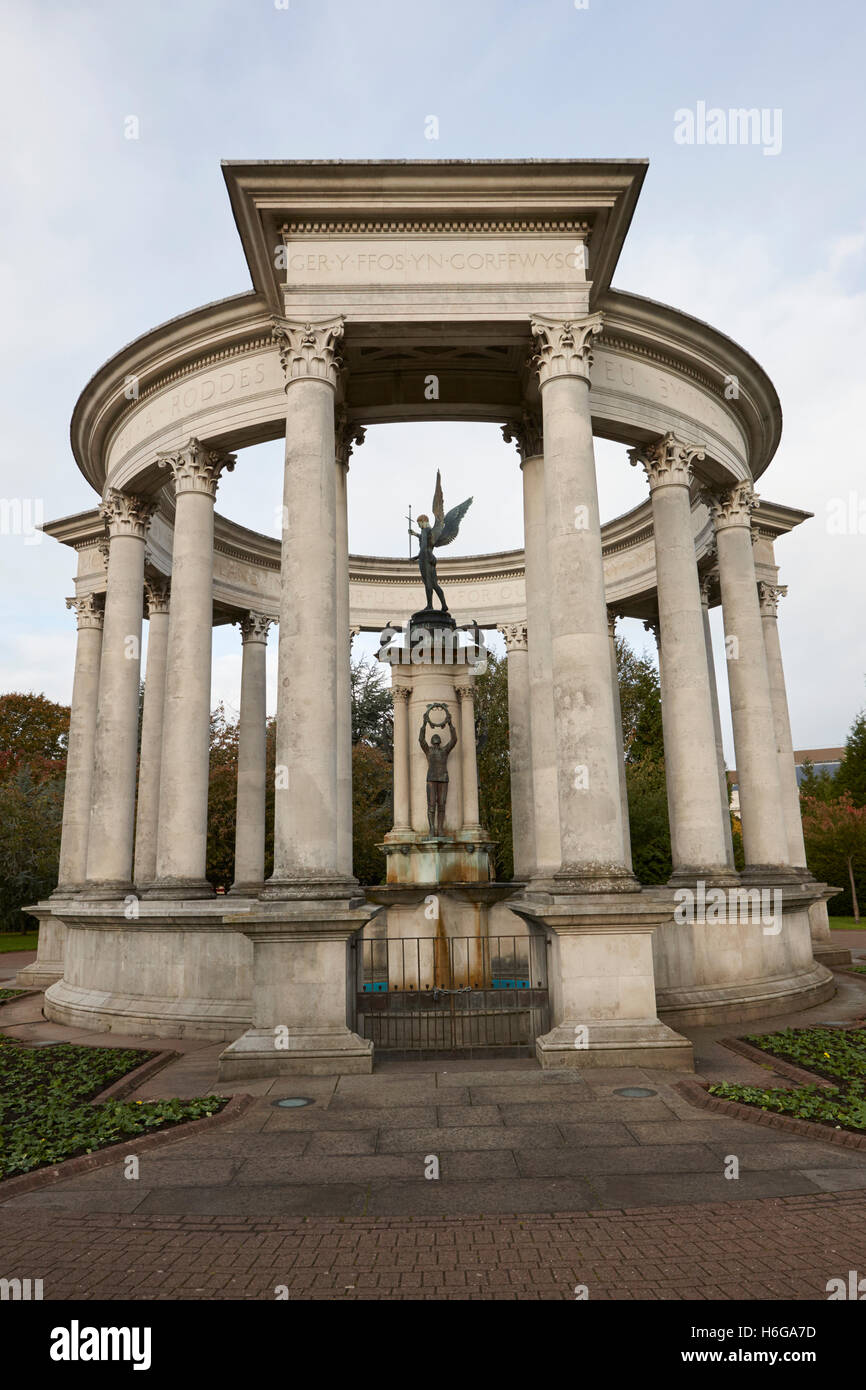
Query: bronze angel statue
point(442, 532)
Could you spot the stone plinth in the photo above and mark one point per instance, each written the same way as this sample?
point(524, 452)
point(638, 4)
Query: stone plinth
point(50, 946)
point(823, 947)
point(602, 988)
point(433, 669)
point(302, 992)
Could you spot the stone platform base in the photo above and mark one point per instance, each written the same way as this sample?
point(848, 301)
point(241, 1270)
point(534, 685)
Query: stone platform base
point(635, 1043)
point(258, 1054)
point(831, 955)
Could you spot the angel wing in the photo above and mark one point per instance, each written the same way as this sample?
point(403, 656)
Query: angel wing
point(438, 506)
point(446, 530)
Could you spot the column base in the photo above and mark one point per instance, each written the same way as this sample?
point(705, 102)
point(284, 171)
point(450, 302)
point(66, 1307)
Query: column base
point(628, 1043)
point(311, 889)
point(712, 876)
point(262, 1052)
point(178, 889)
point(246, 890)
point(771, 875)
point(573, 881)
point(107, 892)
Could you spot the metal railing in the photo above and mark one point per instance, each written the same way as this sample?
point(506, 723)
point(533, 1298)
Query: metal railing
point(440, 994)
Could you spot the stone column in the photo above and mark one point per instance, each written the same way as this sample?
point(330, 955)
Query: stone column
point(252, 733)
point(471, 828)
point(110, 836)
point(724, 791)
point(347, 436)
point(768, 596)
point(307, 860)
point(526, 433)
point(181, 859)
point(402, 828)
point(765, 841)
point(520, 748)
point(156, 593)
point(80, 753)
point(691, 765)
point(620, 742)
point(591, 826)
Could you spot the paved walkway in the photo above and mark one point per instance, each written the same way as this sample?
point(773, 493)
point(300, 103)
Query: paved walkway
point(545, 1180)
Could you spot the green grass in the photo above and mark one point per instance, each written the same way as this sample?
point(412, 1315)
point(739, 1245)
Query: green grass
point(837, 1055)
point(847, 924)
point(9, 994)
point(18, 941)
point(45, 1115)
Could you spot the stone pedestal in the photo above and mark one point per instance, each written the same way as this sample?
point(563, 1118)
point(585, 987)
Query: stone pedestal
point(823, 947)
point(51, 946)
point(602, 987)
point(433, 668)
point(302, 992)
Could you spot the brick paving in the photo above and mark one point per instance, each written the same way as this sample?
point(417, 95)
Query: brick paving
point(777, 1249)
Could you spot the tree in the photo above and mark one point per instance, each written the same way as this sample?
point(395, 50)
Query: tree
point(34, 732)
point(648, 820)
point(372, 704)
point(641, 702)
point(372, 814)
point(851, 776)
point(31, 814)
point(835, 833)
point(817, 786)
point(222, 799)
point(494, 765)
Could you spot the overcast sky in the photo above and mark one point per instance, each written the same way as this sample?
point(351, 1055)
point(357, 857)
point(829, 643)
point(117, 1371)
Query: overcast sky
point(102, 237)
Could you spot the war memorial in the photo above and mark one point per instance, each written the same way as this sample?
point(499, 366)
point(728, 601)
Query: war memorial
point(418, 291)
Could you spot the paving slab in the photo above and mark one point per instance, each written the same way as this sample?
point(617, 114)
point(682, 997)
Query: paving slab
point(571, 1162)
point(657, 1189)
point(467, 1139)
point(343, 1117)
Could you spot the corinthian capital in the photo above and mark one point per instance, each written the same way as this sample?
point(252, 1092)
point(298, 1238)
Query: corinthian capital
point(309, 349)
point(516, 637)
point(666, 460)
point(157, 593)
point(769, 595)
point(526, 433)
point(195, 468)
point(563, 347)
point(126, 514)
point(89, 609)
point(733, 507)
point(254, 627)
point(347, 435)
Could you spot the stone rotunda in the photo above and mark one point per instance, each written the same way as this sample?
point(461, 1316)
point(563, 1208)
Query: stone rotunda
point(400, 291)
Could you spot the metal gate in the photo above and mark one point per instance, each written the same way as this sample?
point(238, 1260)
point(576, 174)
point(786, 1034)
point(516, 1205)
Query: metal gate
point(462, 995)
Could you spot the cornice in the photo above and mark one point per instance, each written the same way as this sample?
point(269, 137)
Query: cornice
point(438, 226)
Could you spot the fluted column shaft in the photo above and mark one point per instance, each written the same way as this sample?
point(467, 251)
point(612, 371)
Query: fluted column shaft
point(252, 739)
point(347, 435)
point(150, 756)
point(724, 790)
point(765, 841)
point(110, 837)
point(82, 739)
point(307, 822)
point(698, 845)
point(769, 595)
point(545, 798)
point(402, 809)
point(181, 860)
point(520, 748)
point(468, 758)
point(590, 810)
